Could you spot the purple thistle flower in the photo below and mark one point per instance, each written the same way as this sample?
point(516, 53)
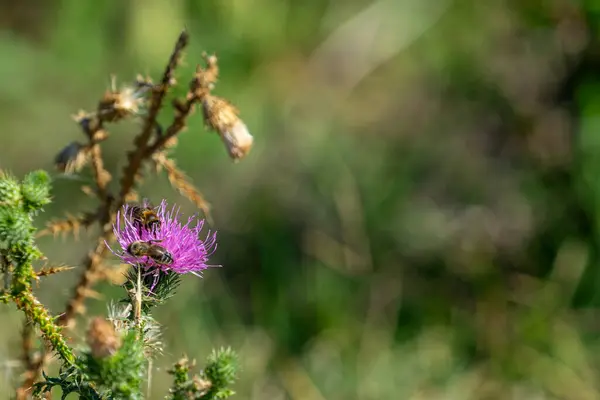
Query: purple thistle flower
point(188, 251)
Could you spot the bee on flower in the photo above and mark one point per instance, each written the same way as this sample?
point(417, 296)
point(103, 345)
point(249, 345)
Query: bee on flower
point(169, 246)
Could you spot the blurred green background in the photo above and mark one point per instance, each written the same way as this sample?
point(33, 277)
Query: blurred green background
point(419, 217)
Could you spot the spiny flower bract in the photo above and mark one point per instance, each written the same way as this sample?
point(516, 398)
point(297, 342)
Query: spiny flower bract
point(182, 241)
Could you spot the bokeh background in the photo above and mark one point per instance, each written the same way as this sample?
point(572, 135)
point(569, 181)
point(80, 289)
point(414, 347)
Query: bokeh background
point(418, 219)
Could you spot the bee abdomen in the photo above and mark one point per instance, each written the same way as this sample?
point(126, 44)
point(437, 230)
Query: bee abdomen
point(162, 257)
point(166, 258)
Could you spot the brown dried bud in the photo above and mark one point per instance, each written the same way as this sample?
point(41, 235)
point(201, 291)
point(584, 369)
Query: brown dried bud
point(99, 135)
point(222, 117)
point(120, 104)
point(115, 106)
point(238, 141)
point(72, 158)
point(141, 81)
point(206, 78)
point(201, 385)
point(102, 338)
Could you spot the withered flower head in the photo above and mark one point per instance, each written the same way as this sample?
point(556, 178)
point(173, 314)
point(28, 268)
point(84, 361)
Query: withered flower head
point(72, 158)
point(124, 103)
point(102, 338)
point(201, 385)
point(222, 117)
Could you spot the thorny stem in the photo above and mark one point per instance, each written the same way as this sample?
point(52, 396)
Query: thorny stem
point(27, 344)
point(101, 175)
point(182, 111)
point(180, 372)
point(94, 129)
point(35, 311)
point(30, 364)
point(92, 263)
point(136, 156)
point(21, 293)
point(31, 376)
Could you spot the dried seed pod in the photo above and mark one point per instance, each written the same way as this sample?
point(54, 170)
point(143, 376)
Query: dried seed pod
point(238, 141)
point(102, 338)
point(207, 77)
point(72, 158)
point(202, 386)
point(124, 103)
point(222, 117)
point(143, 82)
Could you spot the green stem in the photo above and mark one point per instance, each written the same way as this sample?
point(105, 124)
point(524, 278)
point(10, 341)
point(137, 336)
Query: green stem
point(180, 380)
point(35, 312)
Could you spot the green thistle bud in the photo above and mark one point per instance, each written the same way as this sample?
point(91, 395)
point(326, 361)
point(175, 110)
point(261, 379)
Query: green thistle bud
point(15, 228)
point(221, 371)
point(36, 190)
point(10, 193)
point(119, 374)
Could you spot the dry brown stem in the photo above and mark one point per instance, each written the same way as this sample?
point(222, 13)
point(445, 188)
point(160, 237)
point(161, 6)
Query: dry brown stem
point(182, 110)
point(27, 343)
point(101, 175)
point(28, 361)
point(46, 271)
point(69, 224)
point(92, 264)
point(93, 127)
point(137, 155)
point(32, 374)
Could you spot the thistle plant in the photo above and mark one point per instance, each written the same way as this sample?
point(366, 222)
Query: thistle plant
point(159, 246)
